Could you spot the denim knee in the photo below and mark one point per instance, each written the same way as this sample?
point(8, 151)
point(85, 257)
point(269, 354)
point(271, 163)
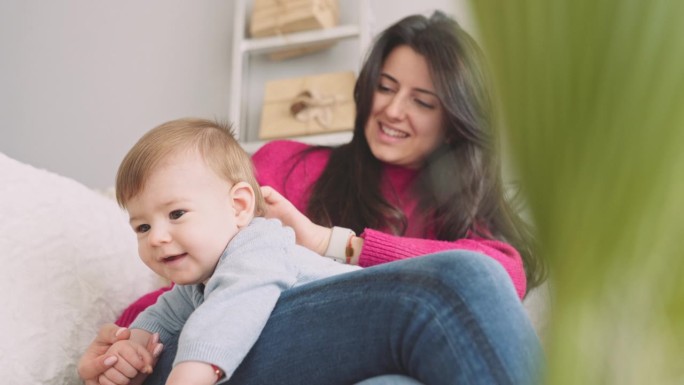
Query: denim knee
point(466, 267)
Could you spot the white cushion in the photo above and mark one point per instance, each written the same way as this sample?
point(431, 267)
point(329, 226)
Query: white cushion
point(68, 264)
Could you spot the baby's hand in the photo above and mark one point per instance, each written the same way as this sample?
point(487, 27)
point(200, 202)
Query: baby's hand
point(133, 359)
point(309, 234)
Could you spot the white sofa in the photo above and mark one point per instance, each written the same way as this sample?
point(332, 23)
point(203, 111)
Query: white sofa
point(69, 264)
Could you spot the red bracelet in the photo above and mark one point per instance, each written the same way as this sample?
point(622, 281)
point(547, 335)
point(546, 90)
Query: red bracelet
point(217, 371)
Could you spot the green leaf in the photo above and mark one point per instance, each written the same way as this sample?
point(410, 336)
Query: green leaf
point(592, 96)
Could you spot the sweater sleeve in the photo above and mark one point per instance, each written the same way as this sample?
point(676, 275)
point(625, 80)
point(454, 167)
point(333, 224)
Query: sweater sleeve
point(128, 315)
point(168, 315)
point(379, 247)
point(239, 298)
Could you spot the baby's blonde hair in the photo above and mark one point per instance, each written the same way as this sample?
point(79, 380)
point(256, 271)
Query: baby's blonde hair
point(213, 140)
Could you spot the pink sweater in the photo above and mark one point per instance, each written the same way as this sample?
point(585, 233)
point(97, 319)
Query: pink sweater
point(275, 160)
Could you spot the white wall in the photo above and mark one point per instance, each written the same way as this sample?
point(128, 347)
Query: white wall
point(388, 11)
point(81, 80)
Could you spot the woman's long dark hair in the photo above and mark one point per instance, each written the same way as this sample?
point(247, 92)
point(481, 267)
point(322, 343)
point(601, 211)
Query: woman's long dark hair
point(460, 183)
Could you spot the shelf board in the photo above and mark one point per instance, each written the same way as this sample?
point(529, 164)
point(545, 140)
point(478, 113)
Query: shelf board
point(332, 139)
point(297, 39)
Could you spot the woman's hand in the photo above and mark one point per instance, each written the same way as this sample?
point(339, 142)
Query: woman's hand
point(133, 365)
point(96, 361)
point(309, 234)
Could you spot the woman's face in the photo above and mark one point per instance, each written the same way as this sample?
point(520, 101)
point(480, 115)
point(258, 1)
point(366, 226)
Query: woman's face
point(406, 122)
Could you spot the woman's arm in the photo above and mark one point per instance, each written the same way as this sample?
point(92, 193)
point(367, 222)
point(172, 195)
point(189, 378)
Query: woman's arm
point(379, 247)
point(375, 247)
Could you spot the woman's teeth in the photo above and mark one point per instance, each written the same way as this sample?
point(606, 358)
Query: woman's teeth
point(392, 132)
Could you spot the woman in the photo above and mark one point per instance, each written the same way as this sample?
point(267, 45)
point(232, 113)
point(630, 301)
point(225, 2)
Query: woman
point(420, 176)
point(422, 162)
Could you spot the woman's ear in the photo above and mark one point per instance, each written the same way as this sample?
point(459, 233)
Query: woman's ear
point(243, 199)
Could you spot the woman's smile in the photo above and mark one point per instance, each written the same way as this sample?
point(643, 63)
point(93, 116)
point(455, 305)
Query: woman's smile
point(393, 132)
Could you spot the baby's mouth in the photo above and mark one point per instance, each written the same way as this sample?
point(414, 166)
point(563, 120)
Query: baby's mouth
point(172, 258)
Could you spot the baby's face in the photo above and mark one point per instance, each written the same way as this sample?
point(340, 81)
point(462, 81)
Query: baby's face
point(184, 217)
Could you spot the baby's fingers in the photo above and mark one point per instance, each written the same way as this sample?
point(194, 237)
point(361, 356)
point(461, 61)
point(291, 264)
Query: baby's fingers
point(125, 369)
point(270, 194)
point(114, 377)
point(154, 347)
point(137, 358)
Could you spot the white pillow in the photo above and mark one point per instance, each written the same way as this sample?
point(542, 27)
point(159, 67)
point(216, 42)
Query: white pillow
point(68, 264)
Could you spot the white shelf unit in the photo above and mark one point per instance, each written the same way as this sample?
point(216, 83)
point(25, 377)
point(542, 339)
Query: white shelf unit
point(245, 47)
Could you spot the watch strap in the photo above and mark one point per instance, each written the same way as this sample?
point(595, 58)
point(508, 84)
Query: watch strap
point(338, 248)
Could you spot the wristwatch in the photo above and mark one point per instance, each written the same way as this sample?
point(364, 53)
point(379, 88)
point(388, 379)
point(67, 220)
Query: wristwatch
point(339, 248)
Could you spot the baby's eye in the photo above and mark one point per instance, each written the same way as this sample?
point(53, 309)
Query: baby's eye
point(175, 214)
point(142, 228)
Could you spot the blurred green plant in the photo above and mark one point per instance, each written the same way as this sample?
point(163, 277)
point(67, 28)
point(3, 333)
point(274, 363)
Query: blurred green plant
point(592, 100)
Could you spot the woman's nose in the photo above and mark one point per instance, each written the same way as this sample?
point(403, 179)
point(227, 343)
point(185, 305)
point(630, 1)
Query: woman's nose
point(396, 107)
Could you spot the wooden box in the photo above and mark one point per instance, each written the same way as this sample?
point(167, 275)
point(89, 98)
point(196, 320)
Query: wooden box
point(277, 17)
point(308, 105)
point(299, 51)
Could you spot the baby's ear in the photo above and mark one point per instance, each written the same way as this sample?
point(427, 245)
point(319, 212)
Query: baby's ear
point(242, 196)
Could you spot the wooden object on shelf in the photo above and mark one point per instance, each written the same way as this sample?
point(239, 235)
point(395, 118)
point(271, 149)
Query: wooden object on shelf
point(279, 17)
point(308, 105)
point(243, 112)
point(299, 51)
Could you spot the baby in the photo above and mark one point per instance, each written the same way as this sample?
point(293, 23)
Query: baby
point(194, 204)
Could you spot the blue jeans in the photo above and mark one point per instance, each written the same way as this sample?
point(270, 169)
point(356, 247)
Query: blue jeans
point(446, 318)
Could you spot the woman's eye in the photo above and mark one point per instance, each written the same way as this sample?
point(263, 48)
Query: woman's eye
point(142, 228)
point(425, 104)
point(383, 88)
point(175, 214)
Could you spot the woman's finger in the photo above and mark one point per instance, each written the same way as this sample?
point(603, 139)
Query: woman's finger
point(95, 360)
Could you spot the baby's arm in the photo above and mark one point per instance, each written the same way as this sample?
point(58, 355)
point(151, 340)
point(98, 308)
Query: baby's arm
point(135, 359)
point(193, 373)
